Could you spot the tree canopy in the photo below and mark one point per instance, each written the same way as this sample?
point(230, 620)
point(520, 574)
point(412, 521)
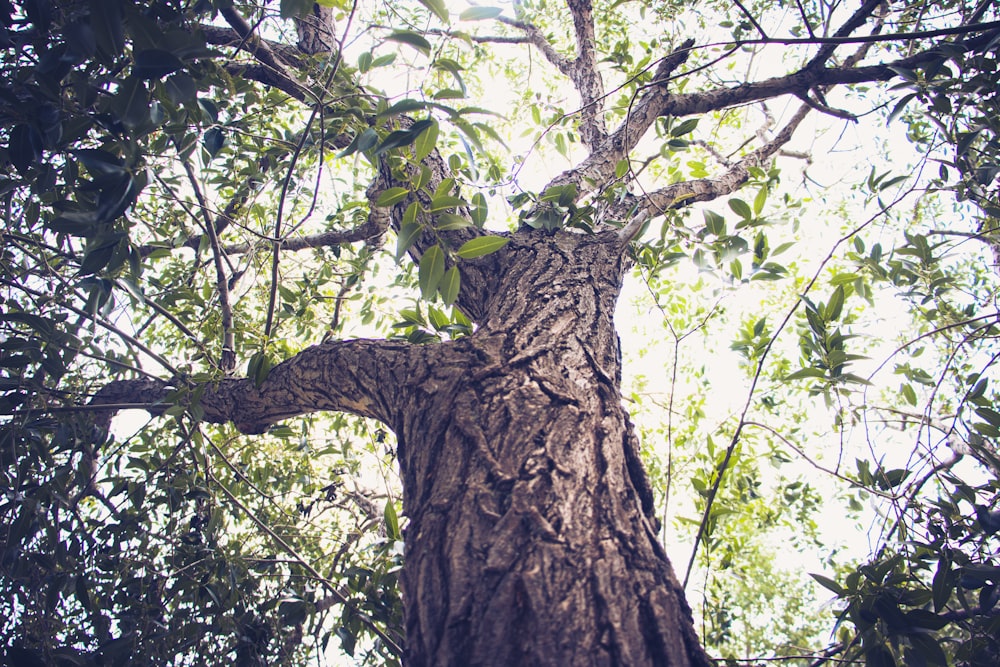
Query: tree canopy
point(289, 232)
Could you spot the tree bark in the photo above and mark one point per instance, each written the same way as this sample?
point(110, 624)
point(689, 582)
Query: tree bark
point(531, 536)
point(532, 539)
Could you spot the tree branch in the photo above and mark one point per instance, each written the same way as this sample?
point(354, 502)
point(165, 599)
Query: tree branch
point(253, 44)
point(537, 39)
point(585, 75)
point(362, 377)
point(852, 24)
point(599, 166)
point(679, 195)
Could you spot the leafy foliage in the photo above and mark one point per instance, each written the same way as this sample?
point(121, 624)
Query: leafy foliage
point(195, 190)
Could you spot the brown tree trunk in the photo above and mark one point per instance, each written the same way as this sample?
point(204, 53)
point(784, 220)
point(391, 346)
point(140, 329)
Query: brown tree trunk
point(532, 539)
point(531, 536)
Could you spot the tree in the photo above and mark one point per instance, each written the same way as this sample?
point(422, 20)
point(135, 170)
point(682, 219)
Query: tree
point(166, 166)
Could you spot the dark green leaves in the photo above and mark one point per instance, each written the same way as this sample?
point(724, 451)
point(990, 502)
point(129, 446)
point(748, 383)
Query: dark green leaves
point(100, 162)
point(214, 140)
point(431, 271)
point(25, 147)
point(131, 102)
point(155, 64)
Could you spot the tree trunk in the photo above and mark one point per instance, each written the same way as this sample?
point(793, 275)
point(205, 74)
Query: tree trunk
point(532, 539)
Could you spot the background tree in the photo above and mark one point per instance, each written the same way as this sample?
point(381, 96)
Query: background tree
point(198, 198)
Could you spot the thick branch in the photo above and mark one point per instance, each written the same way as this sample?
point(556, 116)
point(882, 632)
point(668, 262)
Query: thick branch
point(254, 44)
point(221, 36)
point(852, 24)
point(585, 75)
point(582, 70)
point(537, 39)
point(686, 193)
point(599, 166)
point(362, 377)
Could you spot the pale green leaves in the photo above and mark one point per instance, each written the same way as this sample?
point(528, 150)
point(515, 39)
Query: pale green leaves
point(481, 246)
point(480, 13)
point(437, 8)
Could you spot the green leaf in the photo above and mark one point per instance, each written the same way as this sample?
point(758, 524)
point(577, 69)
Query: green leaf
point(365, 61)
point(900, 106)
point(879, 656)
point(155, 64)
point(621, 168)
point(213, 140)
point(760, 200)
point(804, 373)
point(444, 187)
point(407, 236)
point(425, 141)
point(990, 415)
point(836, 305)
point(685, 127)
point(259, 367)
point(431, 271)
point(109, 33)
point(24, 147)
point(116, 196)
point(714, 223)
point(391, 196)
point(132, 102)
point(180, 88)
point(395, 139)
point(384, 60)
point(928, 649)
point(450, 285)
point(444, 202)
point(436, 6)
point(480, 13)
point(741, 208)
point(421, 179)
point(410, 38)
point(391, 521)
point(943, 582)
point(402, 107)
point(448, 221)
point(481, 246)
point(828, 583)
point(479, 210)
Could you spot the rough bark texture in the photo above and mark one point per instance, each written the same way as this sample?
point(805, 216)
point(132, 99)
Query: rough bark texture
point(531, 538)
